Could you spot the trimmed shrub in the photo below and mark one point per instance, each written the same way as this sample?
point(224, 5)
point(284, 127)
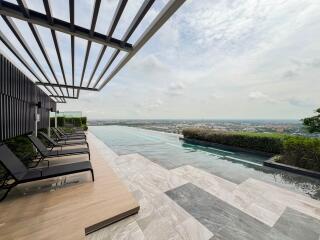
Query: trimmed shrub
point(22, 147)
point(301, 152)
point(297, 151)
point(60, 121)
point(84, 120)
point(74, 121)
point(265, 142)
point(69, 122)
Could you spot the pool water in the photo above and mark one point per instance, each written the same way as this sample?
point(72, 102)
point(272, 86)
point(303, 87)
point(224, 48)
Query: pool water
point(170, 152)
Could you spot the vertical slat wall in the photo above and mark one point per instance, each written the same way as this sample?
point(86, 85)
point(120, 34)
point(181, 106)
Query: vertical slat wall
point(18, 96)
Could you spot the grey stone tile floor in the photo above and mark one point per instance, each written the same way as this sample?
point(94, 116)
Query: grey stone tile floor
point(228, 222)
point(188, 203)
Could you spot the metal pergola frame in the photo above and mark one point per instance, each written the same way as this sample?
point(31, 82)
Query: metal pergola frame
point(21, 11)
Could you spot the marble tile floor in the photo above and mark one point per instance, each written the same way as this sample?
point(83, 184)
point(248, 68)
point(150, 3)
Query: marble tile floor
point(260, 200)
point(229, 222)
point(189, 203)
point(159, 216)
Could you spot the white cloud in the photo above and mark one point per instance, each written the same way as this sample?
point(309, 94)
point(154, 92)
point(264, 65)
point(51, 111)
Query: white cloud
point(257, 95)
point(290, 74)
point(301, 102)
point(175, 89)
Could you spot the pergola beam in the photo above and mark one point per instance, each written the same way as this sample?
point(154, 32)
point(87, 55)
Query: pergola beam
point(36, 35)
point(13, 10)
point(120, 8)
point(89, 43)
point(147, 4)
point(31, 17)
point(55, 40)
point(71, 14)
point(157, 23)
point(57, 96)
point(61, 101)
point(66, 86)
point(14, 29)
point(15, 52)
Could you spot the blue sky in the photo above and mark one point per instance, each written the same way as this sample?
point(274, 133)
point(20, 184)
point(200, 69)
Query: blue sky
point(212, 59)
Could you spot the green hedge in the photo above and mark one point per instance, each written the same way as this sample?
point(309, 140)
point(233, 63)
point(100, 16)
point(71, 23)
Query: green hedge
point(60, 121)
point(298, 151)
point(21, 146)
point(301, 152)
point(70, 121)
point(84, 120)
point(74, 121)
point(265, 142)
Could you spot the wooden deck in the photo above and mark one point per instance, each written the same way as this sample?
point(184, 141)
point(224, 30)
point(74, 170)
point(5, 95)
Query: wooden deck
point(68, 207)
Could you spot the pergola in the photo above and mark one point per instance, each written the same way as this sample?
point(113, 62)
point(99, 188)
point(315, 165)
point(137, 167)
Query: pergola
point(53, 86)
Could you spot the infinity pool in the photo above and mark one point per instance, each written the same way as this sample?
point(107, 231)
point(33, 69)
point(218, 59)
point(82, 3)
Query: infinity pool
point(170, 152)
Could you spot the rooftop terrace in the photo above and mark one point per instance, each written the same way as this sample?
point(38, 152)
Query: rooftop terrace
point(182, 202)
point(148, 185)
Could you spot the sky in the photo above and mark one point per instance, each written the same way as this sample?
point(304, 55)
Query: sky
point(225, 59)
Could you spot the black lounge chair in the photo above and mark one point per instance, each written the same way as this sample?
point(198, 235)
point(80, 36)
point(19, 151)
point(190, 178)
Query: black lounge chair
point(45, 153)
point(59, 139)
point(54, 144)
point(73, 131)
point(63, 133)
point(20, 174)
point(68, 138)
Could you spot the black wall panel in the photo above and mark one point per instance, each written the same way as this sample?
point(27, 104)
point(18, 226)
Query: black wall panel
point(18, 97)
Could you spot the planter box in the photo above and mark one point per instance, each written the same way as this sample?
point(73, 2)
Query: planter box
point(272, 163)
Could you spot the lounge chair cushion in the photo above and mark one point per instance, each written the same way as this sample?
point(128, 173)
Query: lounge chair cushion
point(12, 163)
point(72, 167)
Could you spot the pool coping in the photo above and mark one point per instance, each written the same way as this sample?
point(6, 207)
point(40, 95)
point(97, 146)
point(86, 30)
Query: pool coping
point(302, 171)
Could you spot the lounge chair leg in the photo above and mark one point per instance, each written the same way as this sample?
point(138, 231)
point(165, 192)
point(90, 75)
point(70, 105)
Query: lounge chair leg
point(89, 156)
point(5, 195)
point(92, 175)
point(36, 165)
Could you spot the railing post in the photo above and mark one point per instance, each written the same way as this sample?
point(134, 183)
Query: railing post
point(49, 129)
point(55, 120)
point(36, 121)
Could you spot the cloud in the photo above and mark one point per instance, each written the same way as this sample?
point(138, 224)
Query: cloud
point(300, 102)
point(149, 67)
point(290, 74)
point(257, 95)
point(147, 106)
point(175, 89)
point(154, 105)
point(315, 63)
point(216, 95)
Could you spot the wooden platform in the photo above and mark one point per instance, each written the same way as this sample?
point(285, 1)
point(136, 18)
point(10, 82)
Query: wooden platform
point(68, 207)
